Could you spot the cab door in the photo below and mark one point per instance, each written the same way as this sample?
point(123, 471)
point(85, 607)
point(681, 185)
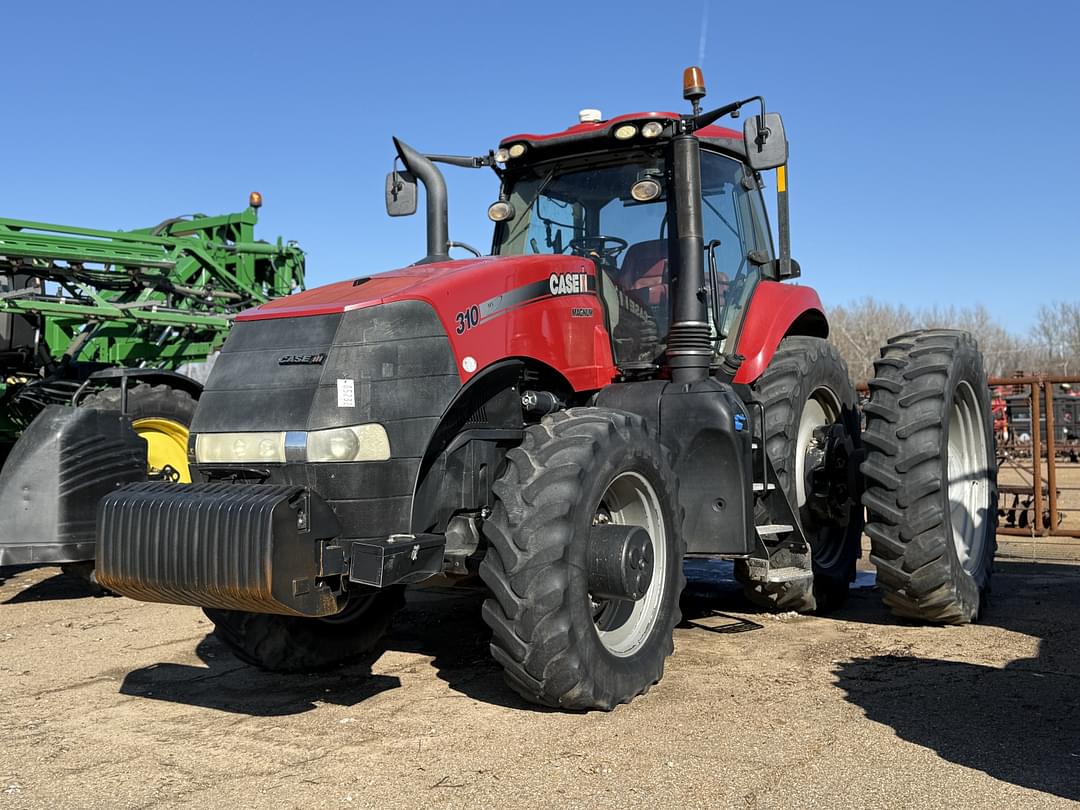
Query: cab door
point(734, 224)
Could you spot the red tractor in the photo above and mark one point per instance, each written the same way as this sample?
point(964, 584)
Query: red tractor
point(624, 383)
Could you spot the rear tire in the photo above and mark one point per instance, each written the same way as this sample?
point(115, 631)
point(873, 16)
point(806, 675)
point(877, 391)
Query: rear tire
point(806, 385)
point(557, 645)
point(301, 644)
point(931, 477)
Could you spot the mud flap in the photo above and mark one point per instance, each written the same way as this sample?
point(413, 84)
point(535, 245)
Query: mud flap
point(63, 464)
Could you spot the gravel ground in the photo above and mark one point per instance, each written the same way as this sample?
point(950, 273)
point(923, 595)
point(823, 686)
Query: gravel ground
point(110, 703)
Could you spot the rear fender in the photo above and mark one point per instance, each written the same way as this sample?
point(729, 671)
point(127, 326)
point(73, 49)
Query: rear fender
point(776, 311)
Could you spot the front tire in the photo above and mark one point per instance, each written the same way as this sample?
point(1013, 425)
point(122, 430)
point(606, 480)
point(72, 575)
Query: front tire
point(301, 644)
point(557, 644)
point(931, 477)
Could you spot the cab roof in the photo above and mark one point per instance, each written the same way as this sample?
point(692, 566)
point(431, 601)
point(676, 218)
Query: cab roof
point(577, 137)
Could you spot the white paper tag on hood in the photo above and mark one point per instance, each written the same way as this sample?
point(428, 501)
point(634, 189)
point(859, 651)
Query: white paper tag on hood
point(346, 394)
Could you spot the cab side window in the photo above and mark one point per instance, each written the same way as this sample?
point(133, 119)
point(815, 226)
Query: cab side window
point(733, 220)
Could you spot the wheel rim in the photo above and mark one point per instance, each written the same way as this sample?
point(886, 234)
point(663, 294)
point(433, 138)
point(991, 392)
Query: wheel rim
point(166, 445)
point(624, 626)
point(822, 409)
point(969, 488)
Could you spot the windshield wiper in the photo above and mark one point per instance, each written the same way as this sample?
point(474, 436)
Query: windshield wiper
point(524, 220)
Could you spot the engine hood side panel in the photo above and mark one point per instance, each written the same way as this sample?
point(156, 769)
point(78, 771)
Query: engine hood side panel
point(491, 308)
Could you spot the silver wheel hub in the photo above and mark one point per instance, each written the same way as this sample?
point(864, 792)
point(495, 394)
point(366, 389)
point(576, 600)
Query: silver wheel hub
point(623, 625)
point(821, 409)
point(969, 486)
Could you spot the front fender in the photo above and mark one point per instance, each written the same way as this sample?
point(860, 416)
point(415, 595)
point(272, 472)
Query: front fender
point(776, 311)
point(62, 465)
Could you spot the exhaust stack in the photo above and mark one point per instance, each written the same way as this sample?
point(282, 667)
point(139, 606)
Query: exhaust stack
point(438, 229)
point(689, 348)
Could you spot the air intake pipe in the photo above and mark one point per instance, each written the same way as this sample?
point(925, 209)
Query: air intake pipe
point(438, 229)
point(689, 348)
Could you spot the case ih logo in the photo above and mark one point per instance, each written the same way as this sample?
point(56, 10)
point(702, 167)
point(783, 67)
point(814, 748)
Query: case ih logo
point(568, 283)
point(301, 360)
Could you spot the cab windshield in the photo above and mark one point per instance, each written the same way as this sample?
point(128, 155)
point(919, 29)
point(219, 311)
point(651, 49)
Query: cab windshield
point(609, 212)
point(590, 211)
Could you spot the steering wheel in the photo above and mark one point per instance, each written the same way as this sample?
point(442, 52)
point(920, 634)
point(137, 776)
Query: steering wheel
point(606, 248)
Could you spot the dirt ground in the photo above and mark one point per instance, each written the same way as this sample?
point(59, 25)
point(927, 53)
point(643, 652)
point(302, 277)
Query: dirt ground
point(105, 702)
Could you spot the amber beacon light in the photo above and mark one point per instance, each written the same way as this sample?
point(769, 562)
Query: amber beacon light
point(693, 84)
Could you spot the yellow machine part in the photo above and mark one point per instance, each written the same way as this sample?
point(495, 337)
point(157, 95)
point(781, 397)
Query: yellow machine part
point(166, 445)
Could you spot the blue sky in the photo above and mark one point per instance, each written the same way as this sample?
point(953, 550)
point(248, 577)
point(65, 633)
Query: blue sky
point(933, 144)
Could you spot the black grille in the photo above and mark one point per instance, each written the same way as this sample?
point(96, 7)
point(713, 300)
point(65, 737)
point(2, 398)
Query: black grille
point(403, 374)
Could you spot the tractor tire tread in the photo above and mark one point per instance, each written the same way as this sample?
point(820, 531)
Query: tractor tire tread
point(781, 385)
point(908, 525)
point(298, 644)
point(530, 532)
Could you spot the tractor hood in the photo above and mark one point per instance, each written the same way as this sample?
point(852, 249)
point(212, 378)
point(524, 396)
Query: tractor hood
point(492, 308)
point(435, 283)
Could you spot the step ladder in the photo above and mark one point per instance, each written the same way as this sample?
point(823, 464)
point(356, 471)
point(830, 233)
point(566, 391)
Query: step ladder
point(783, 554)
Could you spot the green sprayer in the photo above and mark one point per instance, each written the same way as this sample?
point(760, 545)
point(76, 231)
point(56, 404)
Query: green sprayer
point(104, 338)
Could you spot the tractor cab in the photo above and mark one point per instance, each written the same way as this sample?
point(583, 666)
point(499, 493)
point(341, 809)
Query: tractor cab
point(607, 195)
point(667, 207)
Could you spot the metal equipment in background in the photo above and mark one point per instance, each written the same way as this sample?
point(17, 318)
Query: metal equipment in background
point(106, 321)
point(1035, 502)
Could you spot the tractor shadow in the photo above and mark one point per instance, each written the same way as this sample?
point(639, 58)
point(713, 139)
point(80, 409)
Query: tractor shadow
point(712, 597)
point(1019, 723)
point(713, 600)
point(445, 624)
point(229, 685)
point(56, 587)
point(441, 624)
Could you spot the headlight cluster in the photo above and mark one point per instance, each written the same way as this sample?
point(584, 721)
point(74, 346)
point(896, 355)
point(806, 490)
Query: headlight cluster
point(268, 448)
point(355, 443)
point(503, 153)
point(651, 129)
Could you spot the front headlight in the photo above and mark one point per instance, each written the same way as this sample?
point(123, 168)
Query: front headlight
point(242, 448)
point(355, 443)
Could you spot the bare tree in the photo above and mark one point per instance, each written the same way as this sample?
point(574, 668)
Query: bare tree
point(859, 329)
point(1056, 335)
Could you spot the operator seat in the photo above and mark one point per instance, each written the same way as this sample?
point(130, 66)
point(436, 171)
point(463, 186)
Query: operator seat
point(645, 268)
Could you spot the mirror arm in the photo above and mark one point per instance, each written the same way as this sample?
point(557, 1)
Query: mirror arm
point(463, 161)
point(732, 109)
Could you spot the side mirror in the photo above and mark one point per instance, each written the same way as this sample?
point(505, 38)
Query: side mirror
point(766, 144)
point(773, 269)
point(400, 194)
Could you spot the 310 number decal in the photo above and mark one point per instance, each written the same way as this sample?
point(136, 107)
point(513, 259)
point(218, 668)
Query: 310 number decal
point(467, 319)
